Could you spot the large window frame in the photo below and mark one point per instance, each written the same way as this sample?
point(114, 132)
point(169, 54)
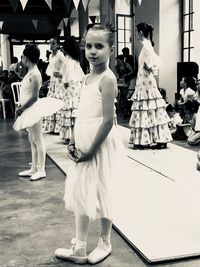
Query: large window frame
point(126, 32)
point(187, 29)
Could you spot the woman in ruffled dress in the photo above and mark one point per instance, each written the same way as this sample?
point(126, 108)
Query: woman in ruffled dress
point(56, 62)
point(149, 119)
point(72, 75)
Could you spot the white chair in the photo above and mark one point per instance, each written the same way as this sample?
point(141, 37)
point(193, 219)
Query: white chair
point(3, 101)
point(16, 92)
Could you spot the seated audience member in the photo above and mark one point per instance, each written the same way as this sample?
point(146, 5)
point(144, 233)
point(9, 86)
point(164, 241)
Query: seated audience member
point(163, 93)
point(13, 66)
point(127, 57)
point(6, 89)
point(194, 138)
point(185, 103)
point(4, 76)
point(125, 74)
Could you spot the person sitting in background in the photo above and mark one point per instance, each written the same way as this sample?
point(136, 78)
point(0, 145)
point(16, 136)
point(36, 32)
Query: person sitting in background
point(6, 90)
point(187, 93)
point(194, 138)
point(125, 74)
point(4, 76)
point(13, 65)
point(175, 119)
point(127, 57)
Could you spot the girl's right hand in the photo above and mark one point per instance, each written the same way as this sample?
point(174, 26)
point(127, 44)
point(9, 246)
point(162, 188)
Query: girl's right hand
point(80, 156)
point(57, 74)
point(71, 152)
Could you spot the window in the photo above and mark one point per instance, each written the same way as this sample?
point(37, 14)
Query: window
point(191, 31)
point(188, 30)
point(124, 33)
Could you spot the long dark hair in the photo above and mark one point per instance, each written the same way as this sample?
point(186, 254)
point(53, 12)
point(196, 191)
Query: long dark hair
point(147, 30)
point(72, 48)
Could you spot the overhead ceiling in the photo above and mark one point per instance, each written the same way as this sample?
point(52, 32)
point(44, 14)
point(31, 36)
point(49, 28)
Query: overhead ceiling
point(19, 24)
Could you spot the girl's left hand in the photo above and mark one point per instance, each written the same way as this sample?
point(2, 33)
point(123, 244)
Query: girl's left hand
point(80, 156)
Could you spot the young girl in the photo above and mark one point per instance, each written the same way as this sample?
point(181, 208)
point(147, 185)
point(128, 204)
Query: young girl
point(72, 78)
point(56, 90)
point(29, 93)
point(31, 110)
point(149, 120)
point(94, 149)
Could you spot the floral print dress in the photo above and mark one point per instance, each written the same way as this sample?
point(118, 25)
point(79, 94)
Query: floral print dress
point(56, 62)
point(72, 76)
point(149, 119)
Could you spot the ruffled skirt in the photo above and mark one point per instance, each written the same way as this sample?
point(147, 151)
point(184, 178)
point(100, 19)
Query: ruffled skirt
point(88, 184)
point(56, 90)
point(42, 107)
point(69, 111)
point(149, 119)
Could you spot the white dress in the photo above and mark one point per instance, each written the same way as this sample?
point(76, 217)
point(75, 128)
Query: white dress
point(88, 183)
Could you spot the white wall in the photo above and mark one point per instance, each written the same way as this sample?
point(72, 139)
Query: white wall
point(164, 15)
point(5, 51)
point(122, 7)
point(148, 12)
point(170, 45)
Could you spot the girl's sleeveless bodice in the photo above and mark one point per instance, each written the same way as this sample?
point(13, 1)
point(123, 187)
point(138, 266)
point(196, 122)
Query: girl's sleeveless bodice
point(90, 105)
point(27, 86)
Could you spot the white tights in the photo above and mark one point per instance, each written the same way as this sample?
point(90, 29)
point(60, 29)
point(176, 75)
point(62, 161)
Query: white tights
point(82, 225)
point(38, 151)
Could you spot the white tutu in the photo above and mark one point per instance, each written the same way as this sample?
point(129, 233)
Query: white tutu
point(42, 107)
point(88, 187)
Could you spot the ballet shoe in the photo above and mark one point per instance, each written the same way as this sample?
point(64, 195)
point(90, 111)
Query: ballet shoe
point(38, 175)
point(101, 252)
point(75, 255)
point(27, 173)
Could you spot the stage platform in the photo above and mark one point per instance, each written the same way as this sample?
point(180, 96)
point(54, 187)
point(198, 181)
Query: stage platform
point(156, 200)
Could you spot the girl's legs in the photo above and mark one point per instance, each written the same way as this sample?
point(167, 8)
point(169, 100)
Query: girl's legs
point(104, 247)
point(77, 253)
point(38, 150)
point(82, 225)
point(34, 156)
point(106, 226)
point(33, 152)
